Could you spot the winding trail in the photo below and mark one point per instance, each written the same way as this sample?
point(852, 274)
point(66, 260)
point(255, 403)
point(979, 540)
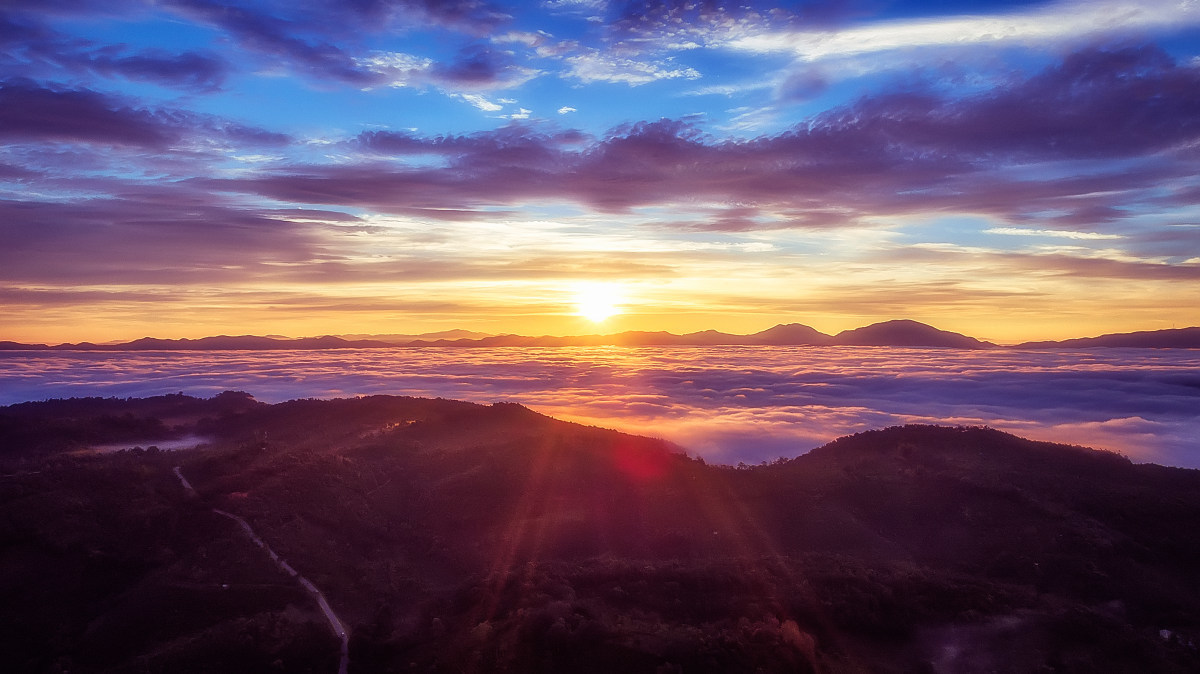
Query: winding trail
point(187, 486)
point(335, 623)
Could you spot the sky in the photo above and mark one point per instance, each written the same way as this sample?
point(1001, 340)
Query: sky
point(1009, 170)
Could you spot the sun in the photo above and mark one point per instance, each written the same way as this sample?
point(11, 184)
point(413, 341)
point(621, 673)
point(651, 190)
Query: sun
point(597, 301)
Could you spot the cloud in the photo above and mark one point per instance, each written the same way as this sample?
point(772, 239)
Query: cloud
point(148, 235)
point(1026, 152)
point(727, 405)
point(276, 37)
point(801, 85)
point(30, 113)
point(1073, 262)
point(35, 51)
point(475, 69)
point(1052, 24)
point(480, 67)
point(481, 102)
point(597, 66)
point(565, 109)
point(189, 70)
point(323, 40)
point(1051, 233)
point(398, 69)
point(472, 16)
point(589, 5)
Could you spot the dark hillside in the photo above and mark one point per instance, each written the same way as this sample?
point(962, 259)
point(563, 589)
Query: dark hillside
point(458, 537)
point(1068, 519)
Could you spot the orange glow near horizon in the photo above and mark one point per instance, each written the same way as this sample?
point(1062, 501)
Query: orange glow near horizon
point(697, 297)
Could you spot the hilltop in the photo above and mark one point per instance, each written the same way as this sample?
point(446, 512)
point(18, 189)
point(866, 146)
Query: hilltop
point(452, 536)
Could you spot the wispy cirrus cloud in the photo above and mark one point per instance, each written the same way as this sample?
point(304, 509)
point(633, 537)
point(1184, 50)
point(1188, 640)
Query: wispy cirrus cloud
point(1051, 233)
point(1044, 25)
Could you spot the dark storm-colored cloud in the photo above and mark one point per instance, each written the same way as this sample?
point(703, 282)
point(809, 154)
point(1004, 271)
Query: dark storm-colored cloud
point(892, 153)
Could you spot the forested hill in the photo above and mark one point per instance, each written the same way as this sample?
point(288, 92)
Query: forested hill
point(457, 537)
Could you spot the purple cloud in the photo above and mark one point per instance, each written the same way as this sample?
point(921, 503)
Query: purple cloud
point(32, 113)
point(471, 16)
point(323, 40)
point(896, 153)
point(274, 36)
point(32, 49)
point(29, 111)
point(476, 66)
point(190, 70)
point(1098, 103)
point(148, 234)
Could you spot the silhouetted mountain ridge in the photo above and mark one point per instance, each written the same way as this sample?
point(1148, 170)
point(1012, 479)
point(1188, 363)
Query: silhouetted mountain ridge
point(907, 333)
point(896, 333)
point(887, 334)
point(1174, 338)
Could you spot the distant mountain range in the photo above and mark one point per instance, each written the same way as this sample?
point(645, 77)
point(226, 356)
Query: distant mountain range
point(898, 333)
point(1176, 338)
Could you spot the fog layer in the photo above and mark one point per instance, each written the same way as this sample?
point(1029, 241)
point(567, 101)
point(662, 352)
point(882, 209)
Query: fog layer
point(728, 405)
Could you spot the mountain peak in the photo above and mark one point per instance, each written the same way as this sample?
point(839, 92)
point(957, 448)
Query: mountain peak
point(904, 332)
point(789, 334)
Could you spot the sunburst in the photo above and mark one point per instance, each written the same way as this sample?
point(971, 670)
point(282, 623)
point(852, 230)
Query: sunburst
point(597, 302)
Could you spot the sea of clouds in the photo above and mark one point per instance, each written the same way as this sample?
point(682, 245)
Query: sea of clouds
point(727, 404)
